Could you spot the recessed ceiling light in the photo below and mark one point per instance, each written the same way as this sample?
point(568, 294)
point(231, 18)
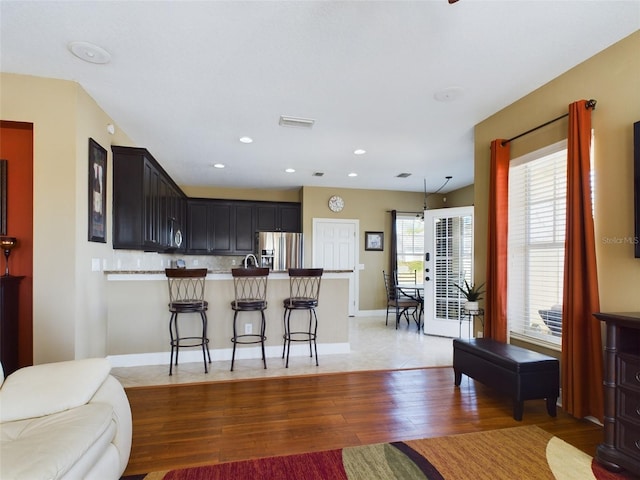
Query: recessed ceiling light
point(359, 151)
point(353, 174)
point(218, 165)
point(246, 139)
point(290, 170)
point(89, 52)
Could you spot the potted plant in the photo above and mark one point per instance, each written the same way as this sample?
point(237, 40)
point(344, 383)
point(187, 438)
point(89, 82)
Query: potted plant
point(472, 294)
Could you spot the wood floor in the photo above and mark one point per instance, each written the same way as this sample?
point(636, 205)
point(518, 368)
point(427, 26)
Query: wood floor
point(182, 425)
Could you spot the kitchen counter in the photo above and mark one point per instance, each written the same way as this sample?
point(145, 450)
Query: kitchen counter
point(210, 271)
point(138, 317)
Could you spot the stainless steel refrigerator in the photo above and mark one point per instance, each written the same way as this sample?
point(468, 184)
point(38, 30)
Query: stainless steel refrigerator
point(279, 250)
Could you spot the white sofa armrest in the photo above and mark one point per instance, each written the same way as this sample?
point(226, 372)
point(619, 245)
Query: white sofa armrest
point(50, 388)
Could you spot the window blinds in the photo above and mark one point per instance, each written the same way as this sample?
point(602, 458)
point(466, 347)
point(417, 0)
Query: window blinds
point(537, 212)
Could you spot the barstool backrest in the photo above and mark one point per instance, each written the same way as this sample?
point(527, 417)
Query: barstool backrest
point(250, 284)
point(186, 285)
point(304, 283)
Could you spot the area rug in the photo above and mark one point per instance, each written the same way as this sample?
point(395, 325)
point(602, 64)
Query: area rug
point(512, 453)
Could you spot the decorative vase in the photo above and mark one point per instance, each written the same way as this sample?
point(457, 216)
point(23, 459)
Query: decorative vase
point(471, 306)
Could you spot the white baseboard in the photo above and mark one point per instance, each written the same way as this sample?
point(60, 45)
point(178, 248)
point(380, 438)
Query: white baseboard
point(371, 313)
point(222, 354)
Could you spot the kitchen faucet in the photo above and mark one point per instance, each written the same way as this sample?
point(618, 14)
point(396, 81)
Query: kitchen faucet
point(250, 255)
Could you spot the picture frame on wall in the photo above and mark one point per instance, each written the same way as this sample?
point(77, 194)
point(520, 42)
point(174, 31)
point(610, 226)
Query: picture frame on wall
point(374, 241)
point(636, 186)
point(97, 192)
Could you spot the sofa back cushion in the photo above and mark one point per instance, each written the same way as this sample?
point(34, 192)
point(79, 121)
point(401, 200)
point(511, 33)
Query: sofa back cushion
point(51, 387)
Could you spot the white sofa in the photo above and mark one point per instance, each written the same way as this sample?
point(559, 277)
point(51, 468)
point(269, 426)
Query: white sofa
point(66, 420)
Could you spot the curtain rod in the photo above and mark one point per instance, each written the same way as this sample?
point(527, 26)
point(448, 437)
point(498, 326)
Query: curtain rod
point(398, 211)
point(588, 103)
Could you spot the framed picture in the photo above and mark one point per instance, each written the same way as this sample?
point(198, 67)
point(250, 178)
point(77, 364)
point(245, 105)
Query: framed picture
point(3, 197)
point(97, 192)
point(636, 185)
point(374, 241)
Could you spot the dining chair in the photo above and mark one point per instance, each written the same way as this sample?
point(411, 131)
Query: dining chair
point(404, 305)
point(186, 295)
point(408, 286)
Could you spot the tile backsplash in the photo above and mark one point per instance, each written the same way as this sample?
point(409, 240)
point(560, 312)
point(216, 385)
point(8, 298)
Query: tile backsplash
point(132, 260)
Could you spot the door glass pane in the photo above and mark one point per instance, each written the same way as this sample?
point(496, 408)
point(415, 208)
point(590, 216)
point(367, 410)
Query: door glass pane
point(453, 264)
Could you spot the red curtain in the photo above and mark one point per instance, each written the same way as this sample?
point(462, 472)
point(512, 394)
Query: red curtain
point(582, 370)
point(495, 324)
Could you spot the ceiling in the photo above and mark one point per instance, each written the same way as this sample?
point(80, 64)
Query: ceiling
point(187, 79)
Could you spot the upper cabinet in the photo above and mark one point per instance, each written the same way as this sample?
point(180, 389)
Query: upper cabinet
point(220, 227)
point(278, 217)
point(148, 207)
point(151, 213)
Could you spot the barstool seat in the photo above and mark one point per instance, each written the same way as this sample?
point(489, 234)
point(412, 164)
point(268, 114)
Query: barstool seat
point(304, 290)
point(250, 292)
point(186, 295)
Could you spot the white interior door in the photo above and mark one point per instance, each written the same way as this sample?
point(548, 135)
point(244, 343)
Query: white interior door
point(448, 243)
point(334, 248)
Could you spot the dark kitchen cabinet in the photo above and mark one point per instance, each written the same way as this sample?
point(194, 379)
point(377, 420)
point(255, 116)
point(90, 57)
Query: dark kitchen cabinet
point(278, 217)
point(148, 207)
point(244, 231)
point(219, 227)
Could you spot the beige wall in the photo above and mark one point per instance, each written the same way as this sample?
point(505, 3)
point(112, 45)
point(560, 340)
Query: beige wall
point(69, 314)
point(463, 197)
point(371, 208)
point(613, 79)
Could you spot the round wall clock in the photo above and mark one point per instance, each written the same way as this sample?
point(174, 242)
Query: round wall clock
point(336, 203)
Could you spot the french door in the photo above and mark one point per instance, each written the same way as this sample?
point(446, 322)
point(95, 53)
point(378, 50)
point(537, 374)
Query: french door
point(448, 243)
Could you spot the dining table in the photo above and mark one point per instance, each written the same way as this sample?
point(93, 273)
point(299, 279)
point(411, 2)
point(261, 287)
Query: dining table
point(416, 292)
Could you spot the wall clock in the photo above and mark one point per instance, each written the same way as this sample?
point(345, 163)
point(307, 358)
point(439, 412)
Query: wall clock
point(336, 203)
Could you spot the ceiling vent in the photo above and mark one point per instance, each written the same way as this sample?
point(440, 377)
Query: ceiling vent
point(318, 174)
point(295, 122)
point(403, 175)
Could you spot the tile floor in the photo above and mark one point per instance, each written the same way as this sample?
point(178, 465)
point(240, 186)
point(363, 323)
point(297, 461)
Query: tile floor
point(374, 346)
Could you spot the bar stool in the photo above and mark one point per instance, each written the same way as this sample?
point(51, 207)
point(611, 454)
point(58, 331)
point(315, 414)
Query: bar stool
point(304, 289)
point(250, 289)
point(186, 295)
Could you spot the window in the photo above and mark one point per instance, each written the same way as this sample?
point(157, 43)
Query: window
point(537, 212)
point(410, 243)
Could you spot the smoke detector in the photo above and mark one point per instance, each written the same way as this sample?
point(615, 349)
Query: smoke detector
point(89, 52)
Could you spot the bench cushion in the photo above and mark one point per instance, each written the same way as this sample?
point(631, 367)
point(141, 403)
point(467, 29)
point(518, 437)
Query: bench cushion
point(508, 356)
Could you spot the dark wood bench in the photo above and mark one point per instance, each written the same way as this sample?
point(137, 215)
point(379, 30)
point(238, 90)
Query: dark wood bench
point(520, 373)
